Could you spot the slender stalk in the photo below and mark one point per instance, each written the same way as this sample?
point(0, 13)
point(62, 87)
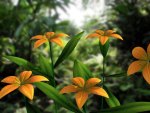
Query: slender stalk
point(25, 100)
point(85, 108)
point(103, 81)
point(103, 74)
point(52, 61)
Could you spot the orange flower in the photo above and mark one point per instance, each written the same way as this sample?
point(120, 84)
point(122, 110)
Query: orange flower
point(49, 36)
point(142, 64)
point(83, 89)
point(104, 35)
point(22, 83)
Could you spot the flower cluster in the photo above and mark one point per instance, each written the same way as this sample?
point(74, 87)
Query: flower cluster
point(49, 36)
point(82, 88)
point(142, 63)
point(104, 35)
point(23, 83)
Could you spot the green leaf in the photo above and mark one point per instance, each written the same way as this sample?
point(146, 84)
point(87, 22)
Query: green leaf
point(81, 70)
point(46, 68)
point(18, 61)
point(112, 101)
point(45, 65)
point(134, 107)
point(68, 48)
point(32, 108)
point(145, 92)
point(118, 75)
point(54, 94)
point(24, 63)
point(104, 48)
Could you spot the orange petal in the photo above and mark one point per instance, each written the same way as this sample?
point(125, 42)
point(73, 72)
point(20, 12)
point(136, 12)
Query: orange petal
point(78, 81)
point(49, 34)
point(146, 73)
point(58, 35)
point(109, 32)
point(92, 82)
point(148, 51)
point(116, 36)
point(100, 32)
point(103, 39)
point(11, 80)
point(7, 89)
point(57, 41)
point(36, 78)
point(27, 90)
point(81, 97)
point(69, 89)
point(98, 91)
point(37, 37)
point(135, 67)
point(139, 53)
point(93, 35)
point(39, 42)
point(24, 75)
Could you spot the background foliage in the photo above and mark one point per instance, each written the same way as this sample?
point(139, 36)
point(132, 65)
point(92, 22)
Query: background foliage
point(20, 22)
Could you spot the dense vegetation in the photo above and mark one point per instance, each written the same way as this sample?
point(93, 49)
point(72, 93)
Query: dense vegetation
point(20, 22)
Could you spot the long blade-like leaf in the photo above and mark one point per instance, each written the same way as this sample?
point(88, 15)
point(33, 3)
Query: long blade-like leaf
point(145, 92)
point(123, 74)
point(112, 101)
point(81, 70)
point(46, 68)
point(19, 61)
point(134, 107)
point(68, 48)
point(45, 65)
point(54, 94)
point(24, 63)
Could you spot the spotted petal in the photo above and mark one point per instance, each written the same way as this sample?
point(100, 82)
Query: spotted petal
point(36, 78)
point(81, 97)
point(139, 53)
point(100, 32)
point(146, 73)
point(92, 82)
point(37, 37)
point(27, 90)
point(7, 89)
point(116, 36)
point(39, 42)
point(103, 39)
point(98, 91)
point(109, 32)
point(57, 41)
point(49, 34)
point(135, 67)
point(93, 35)
point(78, 81)
point(58, 35)
point(69, 89)
point(25, 75)
point(11, 80)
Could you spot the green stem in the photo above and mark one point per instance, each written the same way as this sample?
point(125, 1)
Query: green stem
point(103, 74)
point(52, 61)
point(85, 108)
point(25, 100)
point(103, 81)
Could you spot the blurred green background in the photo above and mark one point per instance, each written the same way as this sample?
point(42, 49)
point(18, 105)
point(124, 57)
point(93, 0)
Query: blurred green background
point(22, 19)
